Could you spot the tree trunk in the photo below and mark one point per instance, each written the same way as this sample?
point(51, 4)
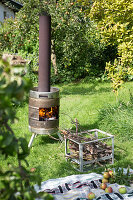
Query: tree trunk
point(53, 58)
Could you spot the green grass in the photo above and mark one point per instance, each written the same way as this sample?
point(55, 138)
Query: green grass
point(81, 100)
point(119, 118)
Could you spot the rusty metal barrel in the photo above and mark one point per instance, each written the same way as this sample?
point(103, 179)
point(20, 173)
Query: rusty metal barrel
point(46, 103)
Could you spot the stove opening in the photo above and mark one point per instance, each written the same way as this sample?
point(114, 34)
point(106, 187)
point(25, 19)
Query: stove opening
point(51, 113)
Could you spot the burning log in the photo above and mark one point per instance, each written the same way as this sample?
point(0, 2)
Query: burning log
point(48, 113)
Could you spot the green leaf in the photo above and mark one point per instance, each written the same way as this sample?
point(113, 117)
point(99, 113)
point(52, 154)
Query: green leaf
point(24, 151)
point(7, 140)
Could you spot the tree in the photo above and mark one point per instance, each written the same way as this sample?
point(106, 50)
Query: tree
point(115, 21)
point(16, 182)
point(74, 54)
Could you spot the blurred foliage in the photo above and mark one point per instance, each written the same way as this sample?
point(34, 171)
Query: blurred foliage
point(76, 42)
point(115, 21)
point(16, 182)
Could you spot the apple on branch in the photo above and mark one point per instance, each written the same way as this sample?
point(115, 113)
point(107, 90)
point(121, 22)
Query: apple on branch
point(106, 175)
point(104, 180)
point(111, 173)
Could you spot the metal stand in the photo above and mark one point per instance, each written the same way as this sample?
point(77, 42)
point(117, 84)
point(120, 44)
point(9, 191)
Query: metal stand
point(60, 137)
point(35, 134)
point(83, 164)
point(31, 139)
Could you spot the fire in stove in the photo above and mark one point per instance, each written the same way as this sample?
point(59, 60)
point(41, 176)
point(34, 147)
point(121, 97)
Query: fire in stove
point(48, 113)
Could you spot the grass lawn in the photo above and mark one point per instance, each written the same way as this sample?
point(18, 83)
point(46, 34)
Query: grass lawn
point(81, 100)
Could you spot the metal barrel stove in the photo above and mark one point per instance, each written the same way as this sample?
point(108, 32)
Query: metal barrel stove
point(44, 100)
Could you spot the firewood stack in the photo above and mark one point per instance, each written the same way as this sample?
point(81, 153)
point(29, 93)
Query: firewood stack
point(91, 151)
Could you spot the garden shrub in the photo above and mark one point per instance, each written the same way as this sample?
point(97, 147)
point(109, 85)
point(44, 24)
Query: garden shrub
point(114, 20)
point(77, 50)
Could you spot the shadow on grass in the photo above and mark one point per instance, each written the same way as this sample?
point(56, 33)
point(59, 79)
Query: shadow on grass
point(88, 126)
point(122, 158)
point(80, 90)
point(62, 169)
point(48, 139)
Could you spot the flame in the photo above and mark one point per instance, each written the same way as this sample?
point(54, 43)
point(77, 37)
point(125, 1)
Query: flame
point(47, 113)
point(41, 112)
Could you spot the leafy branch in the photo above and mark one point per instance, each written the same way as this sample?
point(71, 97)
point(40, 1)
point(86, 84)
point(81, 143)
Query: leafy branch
point(16, 182)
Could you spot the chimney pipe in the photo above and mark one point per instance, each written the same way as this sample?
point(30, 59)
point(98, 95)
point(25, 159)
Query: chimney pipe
point(44, 53)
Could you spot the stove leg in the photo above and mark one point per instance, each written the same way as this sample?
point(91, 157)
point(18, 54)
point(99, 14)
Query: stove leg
point(31, 139)
point(60, 137)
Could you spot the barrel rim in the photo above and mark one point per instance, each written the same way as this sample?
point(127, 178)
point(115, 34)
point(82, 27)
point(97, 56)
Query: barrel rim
point(54, 93)
point(43, 131)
